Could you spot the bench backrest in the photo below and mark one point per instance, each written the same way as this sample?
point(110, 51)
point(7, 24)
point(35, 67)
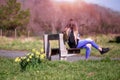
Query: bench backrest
point(47, 48)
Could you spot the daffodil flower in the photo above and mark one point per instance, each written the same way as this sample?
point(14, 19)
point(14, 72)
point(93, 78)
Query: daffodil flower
point(23, 57)
point(42, 56)
point(28, 60)
point(30, 56)
point(17, 59)
point(34, 55)
point(37, 53)
point(42, 50)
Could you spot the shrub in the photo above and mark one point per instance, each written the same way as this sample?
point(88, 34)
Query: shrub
point(32, 59)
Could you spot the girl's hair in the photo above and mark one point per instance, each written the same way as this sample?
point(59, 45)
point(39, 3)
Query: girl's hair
point(72, 25)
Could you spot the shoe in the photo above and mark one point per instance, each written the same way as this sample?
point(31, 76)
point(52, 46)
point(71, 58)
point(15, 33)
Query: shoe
point(104, 50)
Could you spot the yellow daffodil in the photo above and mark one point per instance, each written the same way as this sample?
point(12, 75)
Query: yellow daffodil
point(42, 50)
point(17, 59)
point(42, 56)
point(37, 53)
point(28, 60)
point(30, 56)
point(23, 57)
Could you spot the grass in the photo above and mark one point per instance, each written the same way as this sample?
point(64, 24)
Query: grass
point(105, 69)
point(20, 43)
point(104, 41)
point(61, 70)
point(30, 43)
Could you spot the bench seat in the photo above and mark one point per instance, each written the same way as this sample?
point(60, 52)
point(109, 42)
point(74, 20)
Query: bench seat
point(55, 51)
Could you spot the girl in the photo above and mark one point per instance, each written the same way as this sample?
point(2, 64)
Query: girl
point(72, 37)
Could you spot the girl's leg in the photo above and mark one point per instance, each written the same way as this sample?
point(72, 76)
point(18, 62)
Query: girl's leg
point(82, 43)
point(88, 51)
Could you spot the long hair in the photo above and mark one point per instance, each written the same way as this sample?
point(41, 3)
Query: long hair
point(71, 26)
point(74, 27)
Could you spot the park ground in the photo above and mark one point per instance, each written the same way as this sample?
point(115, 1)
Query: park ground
point(103, 67)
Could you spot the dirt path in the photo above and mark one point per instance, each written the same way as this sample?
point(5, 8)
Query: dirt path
point(12, 54)
point(71, 57)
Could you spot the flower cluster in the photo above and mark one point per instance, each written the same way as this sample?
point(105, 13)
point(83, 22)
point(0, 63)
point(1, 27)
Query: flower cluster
point(31, 59)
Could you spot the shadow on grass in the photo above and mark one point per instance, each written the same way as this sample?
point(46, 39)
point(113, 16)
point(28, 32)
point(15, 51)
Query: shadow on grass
point(117, 40)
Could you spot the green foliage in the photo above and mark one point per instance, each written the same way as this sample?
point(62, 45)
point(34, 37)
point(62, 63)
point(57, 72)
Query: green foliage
point(11, 15)
point(31, 59)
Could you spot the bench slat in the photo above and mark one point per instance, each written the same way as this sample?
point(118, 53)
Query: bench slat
point(73, 50)
point(53, 37)
point(55, 51)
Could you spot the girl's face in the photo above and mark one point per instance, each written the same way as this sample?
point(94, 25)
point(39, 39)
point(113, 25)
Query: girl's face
point(71, 26)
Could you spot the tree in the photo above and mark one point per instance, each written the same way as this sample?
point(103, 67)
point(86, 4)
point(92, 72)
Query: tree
point(12, 16)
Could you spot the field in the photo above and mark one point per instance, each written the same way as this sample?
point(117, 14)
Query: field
point(105, 69)
point(60, 70)
point(37, 43)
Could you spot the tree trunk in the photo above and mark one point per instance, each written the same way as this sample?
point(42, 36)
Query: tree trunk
point(53, 28)
point(15, 33)
point(1, 32)
point(28, 34)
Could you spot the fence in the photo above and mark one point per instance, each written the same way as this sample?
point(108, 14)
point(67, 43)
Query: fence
point(15, 33)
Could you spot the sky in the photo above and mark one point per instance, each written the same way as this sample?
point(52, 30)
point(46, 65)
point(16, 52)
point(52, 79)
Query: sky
point(112, 4)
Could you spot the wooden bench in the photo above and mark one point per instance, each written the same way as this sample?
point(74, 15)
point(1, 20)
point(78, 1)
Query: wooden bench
point(55, 51)
point(62, 50)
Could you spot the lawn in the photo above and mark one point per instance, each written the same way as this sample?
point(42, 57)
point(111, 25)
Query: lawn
point(104, 69)
point(60, 70)
point(20, 43)
point(35, 42)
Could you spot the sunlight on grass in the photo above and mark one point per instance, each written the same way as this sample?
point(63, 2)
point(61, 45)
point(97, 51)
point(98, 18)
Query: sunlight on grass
point(35, 42)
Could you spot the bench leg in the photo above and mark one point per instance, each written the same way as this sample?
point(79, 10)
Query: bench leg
point(63, 58)
point(63, 55)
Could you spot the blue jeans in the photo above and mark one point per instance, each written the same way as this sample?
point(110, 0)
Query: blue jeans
point(83, 43)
